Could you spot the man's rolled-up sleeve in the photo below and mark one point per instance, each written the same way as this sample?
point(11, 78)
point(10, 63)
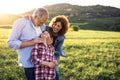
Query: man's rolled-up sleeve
point(14, 39)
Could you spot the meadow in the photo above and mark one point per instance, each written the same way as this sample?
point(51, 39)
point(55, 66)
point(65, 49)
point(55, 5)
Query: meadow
point(91, 55)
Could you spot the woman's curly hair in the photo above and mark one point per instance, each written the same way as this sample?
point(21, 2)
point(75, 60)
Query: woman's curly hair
point(64, 21)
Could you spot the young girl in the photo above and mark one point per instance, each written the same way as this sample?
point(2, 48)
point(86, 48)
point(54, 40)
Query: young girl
point(44, 59)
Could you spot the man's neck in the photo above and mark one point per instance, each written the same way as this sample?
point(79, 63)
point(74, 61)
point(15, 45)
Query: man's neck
point(32, 19)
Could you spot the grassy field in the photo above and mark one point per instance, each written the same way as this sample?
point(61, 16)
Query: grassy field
point(91, 55)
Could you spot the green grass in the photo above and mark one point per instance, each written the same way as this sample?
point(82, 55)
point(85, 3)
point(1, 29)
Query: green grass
point(5, 26)
point(91, 55)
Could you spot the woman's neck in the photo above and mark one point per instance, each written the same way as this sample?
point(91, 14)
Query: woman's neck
point(55, 34)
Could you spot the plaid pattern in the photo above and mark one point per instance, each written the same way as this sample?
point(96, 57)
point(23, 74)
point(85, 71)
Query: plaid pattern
point(42, 53)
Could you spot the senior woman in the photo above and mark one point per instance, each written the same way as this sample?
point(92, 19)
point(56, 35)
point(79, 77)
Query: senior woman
point(58, 26)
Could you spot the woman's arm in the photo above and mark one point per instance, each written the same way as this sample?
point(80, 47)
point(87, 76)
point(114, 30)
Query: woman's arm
point(58, 45)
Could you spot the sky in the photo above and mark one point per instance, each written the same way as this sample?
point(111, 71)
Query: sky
point(21, 6)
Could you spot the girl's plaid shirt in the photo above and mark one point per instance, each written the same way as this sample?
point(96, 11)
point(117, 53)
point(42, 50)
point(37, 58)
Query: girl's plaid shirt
point(42, 53)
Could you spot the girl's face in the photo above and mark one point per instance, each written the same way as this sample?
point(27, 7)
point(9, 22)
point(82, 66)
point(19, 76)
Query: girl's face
point(46, 36)
point(57, 27)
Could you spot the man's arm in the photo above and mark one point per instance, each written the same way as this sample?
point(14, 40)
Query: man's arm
point(31, 42)
point(13, 41)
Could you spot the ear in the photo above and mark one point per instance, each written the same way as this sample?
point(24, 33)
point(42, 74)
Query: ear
point(35, 17)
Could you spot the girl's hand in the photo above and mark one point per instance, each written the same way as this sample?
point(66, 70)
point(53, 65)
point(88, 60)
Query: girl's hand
point(55, 62)
point(51, 65)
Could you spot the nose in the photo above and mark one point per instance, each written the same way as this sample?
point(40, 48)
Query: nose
point(55, 26)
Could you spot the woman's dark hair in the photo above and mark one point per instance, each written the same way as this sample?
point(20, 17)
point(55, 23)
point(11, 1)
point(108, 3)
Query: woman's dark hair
point(64, 21)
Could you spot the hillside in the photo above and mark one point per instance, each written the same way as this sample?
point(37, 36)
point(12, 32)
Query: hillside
point(75, 13)
point(97, 17)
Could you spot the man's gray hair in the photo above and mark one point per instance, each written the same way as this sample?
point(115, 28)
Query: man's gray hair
point(40, 12)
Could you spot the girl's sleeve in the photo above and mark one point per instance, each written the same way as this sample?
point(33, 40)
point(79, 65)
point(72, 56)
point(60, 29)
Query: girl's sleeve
point(37, 54)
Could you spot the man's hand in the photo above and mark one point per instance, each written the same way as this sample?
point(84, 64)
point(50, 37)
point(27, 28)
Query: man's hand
point(38, 40)
point(26, 16)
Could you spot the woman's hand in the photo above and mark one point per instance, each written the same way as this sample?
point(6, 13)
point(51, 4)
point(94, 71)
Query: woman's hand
point(26, 16)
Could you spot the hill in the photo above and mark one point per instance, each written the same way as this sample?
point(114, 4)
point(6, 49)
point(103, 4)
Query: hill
point(76, 13)
point(107, 17)
point(96, 17)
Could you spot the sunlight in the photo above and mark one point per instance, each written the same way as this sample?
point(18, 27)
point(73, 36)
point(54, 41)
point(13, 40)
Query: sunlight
point(15, 6)
point(21, 6)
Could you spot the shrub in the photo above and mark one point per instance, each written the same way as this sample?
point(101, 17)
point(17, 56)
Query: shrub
point(75, 28)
